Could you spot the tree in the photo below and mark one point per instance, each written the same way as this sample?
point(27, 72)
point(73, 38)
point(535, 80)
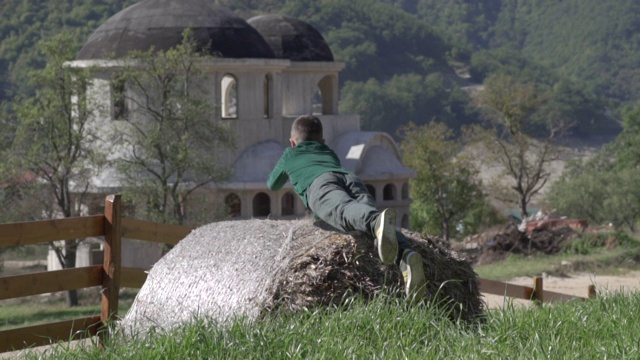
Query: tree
point(522, 144)
point(407, 98)
point(445, 189)
point(581, 192)
point(627, 149)
point(170, 141)
point(599, 191)
point(54, 140)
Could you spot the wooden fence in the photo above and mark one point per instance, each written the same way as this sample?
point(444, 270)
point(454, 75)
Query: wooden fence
point(110, 276)
point(534, 293)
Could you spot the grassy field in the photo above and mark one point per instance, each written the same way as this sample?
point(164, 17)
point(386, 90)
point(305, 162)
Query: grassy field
point(48, 308)
point(605, 327)
point(615, 261)
point(600, 328)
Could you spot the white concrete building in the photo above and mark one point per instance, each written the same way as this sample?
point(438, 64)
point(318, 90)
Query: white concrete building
point(268, 70)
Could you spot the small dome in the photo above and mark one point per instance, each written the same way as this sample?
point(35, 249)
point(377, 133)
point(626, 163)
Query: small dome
point(370, 155)
point(160, 24)
point(256, 162)
point(291, 38)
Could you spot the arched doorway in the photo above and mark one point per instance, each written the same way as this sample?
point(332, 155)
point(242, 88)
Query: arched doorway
point(288, 204)
point(233, 205)
point(261, 205)
point(389, 192)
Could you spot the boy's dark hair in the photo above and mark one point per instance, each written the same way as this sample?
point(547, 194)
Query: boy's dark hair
point(307, 128)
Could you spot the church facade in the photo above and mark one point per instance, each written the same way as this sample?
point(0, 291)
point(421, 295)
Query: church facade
point(268, 70)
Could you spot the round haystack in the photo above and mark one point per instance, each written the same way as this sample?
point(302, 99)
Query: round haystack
point(247, 268)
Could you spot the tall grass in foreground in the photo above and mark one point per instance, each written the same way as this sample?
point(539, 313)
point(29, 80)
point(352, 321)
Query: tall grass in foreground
point(601, 328)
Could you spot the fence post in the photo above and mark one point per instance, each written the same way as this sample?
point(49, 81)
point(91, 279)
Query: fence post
point(538, 295)
point(112, 260)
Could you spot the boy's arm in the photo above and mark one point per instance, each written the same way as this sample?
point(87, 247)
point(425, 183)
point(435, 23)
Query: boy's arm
point(278, 176)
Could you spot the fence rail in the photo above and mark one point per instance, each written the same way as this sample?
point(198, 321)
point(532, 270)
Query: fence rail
point(111, 275)
point(534, 293)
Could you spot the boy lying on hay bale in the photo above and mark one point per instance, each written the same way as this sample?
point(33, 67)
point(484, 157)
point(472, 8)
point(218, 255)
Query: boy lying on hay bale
point(338, 197)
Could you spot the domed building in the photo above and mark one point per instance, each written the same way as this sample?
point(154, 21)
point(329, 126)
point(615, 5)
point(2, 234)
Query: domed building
point(267, 71)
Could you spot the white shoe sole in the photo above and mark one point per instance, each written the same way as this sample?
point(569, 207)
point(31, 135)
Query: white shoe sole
point(416, 282)
point(386, 237)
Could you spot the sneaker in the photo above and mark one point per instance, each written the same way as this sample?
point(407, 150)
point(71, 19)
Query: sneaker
point(414, 280)
point(385, 232)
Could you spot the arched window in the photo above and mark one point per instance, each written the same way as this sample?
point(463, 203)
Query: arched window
point(389, 192)
point(261, 205)
point(229, 100)
point(119, 109)
point(371, 190)
point(405, 221)
point(288, 201)
point(316, 102)
point(267, 84)
point(405, 191)
point(323, 97)
point(233, 205)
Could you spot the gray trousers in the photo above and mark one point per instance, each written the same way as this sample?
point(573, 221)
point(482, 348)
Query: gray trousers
point(342, 201)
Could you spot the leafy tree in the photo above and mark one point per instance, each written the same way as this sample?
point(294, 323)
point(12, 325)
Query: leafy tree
point(623, 200)
point(520, 143)
point(627, 149)
point(605, 189)
point(445, 189)
point(599, 191)
point(54, 139)
point(468, 24)
point(24, 23)
point(407, 98)
point(566, 98)
point(170, 140)
point(581, 192)
point(374, 39)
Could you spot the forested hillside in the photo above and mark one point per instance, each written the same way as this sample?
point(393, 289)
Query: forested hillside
point(592, 41)
point(400, 54)
point(24, 23)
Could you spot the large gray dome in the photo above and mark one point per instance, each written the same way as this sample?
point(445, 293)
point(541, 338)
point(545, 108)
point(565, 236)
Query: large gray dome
point(160, 23)
point(291, 38)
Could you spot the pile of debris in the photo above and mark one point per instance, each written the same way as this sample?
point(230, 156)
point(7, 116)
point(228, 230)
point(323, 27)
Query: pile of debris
point(324, 270)
point(540, 233)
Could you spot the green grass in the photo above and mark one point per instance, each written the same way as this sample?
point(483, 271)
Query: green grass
point(602, 261)
point(387, 329)
point(13, 316)
point(35, 310)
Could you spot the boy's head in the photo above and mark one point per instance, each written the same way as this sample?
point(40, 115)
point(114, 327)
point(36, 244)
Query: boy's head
point(306, 128)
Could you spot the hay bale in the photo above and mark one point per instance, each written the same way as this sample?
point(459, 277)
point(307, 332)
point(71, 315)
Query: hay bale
point(246, 268)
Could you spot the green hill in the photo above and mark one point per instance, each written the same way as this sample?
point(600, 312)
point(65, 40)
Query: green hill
point(399, 53)
point(594, 42)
